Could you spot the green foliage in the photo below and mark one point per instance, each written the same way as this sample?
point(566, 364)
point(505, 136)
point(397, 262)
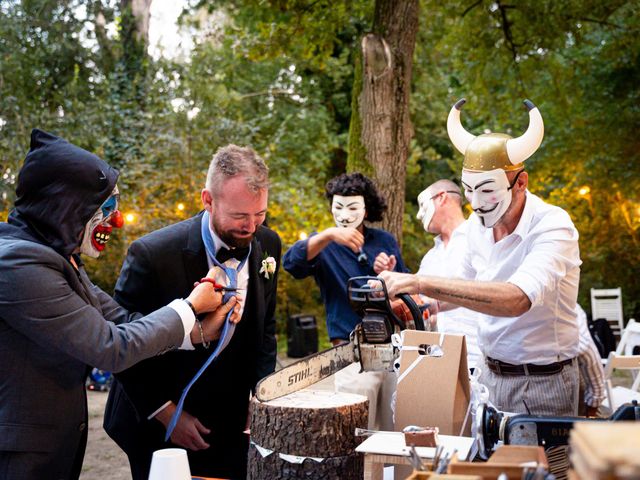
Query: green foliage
point(279, 76)
point(44, 73)
point(579, 61)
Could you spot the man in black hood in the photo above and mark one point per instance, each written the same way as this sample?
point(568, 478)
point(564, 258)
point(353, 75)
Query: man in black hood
point(54, 323)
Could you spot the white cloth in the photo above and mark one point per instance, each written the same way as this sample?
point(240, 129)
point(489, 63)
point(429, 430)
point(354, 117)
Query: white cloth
point(542, 258)
point(444, 261)
point(378, 387)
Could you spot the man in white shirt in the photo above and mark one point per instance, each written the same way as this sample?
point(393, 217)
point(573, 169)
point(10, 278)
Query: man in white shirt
point(441, 214)
point(521, 271)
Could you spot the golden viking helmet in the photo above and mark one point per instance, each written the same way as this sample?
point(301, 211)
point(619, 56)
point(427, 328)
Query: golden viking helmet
point(490, 151)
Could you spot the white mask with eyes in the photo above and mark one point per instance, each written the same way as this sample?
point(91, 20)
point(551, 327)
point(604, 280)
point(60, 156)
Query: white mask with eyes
point(427, 208)
point(348, 211)
point(488, 193)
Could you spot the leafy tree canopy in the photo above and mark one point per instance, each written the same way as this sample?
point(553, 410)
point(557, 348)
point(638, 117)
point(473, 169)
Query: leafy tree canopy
point(278, 75)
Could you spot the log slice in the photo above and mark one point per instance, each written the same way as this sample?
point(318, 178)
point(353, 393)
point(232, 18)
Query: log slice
point(309, 423)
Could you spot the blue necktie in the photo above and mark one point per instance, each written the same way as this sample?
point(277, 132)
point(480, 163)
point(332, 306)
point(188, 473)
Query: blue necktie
point(228, 328)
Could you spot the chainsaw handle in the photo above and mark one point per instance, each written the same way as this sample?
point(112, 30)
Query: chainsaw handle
point(414, 309)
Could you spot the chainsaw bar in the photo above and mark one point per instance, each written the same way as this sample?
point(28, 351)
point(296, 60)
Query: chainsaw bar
point(305, 372)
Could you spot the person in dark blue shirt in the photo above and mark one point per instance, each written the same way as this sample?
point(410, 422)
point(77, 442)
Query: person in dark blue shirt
point(347, 250)
point(338, 253)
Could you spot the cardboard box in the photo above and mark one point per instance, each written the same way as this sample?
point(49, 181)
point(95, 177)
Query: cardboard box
point(435, 393)
point(440, 476)
point(509, 459)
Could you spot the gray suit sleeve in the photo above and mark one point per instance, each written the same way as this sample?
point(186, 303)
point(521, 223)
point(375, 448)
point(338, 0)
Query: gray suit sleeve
point(37, 300)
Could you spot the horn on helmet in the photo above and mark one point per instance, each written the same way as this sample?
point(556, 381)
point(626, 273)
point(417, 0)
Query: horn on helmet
point(457, 133)
point(521, 148)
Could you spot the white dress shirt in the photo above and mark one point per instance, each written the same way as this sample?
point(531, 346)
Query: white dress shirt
point(444, 261)
point(542, 258)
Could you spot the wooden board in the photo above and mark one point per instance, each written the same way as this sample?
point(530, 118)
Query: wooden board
point(392, 443)
point(606, 449)
point(441, 476)
point(508, 459)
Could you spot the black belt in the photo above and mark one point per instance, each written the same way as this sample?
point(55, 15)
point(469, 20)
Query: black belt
point(503, 368)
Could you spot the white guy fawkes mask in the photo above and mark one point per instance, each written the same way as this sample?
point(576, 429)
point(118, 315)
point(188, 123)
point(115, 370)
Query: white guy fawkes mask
point(427, 208)
point(348, 211)
point(488, 193)
point(98, 229)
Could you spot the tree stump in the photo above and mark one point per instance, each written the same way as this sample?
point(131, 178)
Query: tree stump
point(315, 425)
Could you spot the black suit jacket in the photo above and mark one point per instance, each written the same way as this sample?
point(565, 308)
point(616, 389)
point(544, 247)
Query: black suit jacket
point(159, 268)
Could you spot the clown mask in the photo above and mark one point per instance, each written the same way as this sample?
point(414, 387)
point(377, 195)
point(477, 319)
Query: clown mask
point(427, 208)
point(488, 193)
point(348, 211)
point(98, 229)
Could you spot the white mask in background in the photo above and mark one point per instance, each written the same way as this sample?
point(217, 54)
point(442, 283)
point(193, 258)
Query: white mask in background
point(98, 229)
point(348, 211)
point(488, 193)
point(427, 208)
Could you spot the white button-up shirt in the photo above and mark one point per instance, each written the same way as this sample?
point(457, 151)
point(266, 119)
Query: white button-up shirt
point(542, 258)
point(444, 261)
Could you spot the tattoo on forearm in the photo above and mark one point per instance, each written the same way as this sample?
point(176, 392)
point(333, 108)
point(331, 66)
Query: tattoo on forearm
point(463, 297)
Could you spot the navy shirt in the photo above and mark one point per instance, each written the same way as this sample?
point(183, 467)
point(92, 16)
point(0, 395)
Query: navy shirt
point(331, 269)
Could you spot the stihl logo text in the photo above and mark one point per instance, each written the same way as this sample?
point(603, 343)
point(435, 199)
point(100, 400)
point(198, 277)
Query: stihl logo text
point(296, 377)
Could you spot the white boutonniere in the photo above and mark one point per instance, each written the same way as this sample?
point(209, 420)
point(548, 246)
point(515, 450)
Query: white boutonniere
point(268, 266)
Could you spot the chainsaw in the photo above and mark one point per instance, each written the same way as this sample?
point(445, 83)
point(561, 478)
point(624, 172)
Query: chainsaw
point(524, 429)
point(369, 343)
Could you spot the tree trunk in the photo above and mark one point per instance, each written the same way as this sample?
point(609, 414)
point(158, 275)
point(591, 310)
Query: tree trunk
point(314, 424)
point(381, 115)
point(129, 87)
point(141, 11)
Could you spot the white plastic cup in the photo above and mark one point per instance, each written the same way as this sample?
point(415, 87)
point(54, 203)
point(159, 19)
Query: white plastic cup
point(170, 464)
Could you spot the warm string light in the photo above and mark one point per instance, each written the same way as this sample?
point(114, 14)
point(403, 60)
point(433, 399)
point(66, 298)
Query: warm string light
point(584, 191)
point(181, 206)
point(303, 236)
point(130, 217)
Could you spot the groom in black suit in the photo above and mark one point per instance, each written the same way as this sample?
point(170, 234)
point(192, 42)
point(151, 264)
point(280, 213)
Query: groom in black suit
point(165, 264)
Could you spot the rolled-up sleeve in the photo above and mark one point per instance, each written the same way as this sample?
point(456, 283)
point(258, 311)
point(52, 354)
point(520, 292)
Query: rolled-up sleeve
point(295, 260)
point(552, 255)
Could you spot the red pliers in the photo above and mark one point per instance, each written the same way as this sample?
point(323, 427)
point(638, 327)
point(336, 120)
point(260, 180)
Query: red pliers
point(217, 287)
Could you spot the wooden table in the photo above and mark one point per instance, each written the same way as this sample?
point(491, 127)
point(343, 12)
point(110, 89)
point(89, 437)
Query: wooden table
point(390, 448)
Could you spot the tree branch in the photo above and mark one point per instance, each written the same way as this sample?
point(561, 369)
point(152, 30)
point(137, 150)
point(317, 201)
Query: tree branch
point(471, 7)
point(513, 47)
point(506, 29)
point(596, 21)
point(310, 6)
point(275, 92)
